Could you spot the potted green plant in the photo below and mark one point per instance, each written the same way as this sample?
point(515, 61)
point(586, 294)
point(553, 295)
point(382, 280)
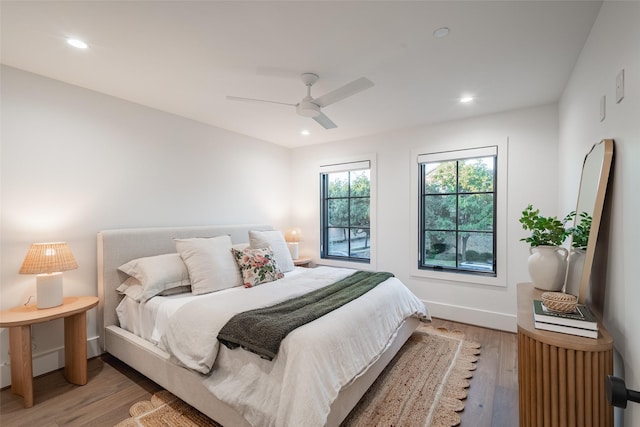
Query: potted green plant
point(545, 231)
point(547, 262)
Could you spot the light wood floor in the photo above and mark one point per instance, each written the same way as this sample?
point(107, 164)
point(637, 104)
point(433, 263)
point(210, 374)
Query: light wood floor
point(493, 395)
point(113, 387)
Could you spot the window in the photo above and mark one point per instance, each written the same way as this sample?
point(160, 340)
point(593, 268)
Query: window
point(345, 193)
point(457, 211)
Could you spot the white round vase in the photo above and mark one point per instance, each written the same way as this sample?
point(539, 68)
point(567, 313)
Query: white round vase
point(547, 267)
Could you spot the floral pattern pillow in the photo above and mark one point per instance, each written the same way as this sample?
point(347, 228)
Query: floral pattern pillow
point(257, 266)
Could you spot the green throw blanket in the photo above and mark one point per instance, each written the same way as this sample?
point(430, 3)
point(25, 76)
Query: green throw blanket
point(261, 330)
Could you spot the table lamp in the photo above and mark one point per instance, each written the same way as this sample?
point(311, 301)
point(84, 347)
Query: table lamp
point(292, 237)
point(48, 261)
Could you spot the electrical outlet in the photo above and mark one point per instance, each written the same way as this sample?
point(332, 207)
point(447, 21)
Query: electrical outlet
point(620, 86)
point(603, 108)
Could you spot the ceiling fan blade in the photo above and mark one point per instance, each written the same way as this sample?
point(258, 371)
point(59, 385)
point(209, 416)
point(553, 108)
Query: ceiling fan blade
point(239, 98)
point(343, 92)
point(325, 121)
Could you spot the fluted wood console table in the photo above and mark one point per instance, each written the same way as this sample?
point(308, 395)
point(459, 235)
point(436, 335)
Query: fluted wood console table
point(560, 377)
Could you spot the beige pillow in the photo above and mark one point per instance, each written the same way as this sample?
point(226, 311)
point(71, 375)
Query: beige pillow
point(131, 288)
point(274, 240)
point(211, 265)
point(134, 290)
point(157, 274)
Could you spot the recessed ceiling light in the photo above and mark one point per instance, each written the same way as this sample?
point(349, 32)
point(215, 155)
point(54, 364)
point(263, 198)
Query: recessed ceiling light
point(77, 43)
point(441, 32)
point(305, 132)
point(466, 99)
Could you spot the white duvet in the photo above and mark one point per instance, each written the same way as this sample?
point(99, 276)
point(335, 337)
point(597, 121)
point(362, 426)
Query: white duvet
point(314, 362)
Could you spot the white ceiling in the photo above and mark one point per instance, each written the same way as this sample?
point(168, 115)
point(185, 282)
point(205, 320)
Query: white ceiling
point(186, 57)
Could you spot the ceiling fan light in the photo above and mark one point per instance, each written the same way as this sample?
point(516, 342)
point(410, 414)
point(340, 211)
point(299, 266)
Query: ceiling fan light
point(308, 109)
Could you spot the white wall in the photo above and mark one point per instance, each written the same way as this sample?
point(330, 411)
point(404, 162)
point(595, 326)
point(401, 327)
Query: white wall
point(613, 44)
point(75, 162)
point(532, 178)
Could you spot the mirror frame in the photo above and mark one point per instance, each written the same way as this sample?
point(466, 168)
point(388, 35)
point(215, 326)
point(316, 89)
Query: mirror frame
point(603, 180)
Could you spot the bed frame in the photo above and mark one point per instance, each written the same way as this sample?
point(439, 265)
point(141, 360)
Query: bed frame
point(116, 247)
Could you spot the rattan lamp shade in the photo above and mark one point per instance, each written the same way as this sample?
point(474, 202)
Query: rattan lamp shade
point(48, 258)
point(293, 235)
point(48, 261)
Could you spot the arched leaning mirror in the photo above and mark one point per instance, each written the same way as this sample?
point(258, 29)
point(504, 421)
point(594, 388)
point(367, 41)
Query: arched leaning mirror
point(591, 194)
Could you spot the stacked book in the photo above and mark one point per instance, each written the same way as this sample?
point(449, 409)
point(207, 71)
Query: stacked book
point(579, 322)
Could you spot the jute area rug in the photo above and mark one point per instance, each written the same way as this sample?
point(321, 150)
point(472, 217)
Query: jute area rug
point(424, 385)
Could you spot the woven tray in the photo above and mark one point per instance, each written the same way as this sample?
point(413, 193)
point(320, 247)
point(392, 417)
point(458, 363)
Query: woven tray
point(560, 302)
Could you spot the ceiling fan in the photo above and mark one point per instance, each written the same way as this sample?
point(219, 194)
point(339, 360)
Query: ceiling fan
point(311, 107)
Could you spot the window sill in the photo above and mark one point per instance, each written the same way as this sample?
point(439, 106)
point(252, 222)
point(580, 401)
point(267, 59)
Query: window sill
point(499, 280)
point(357, 265)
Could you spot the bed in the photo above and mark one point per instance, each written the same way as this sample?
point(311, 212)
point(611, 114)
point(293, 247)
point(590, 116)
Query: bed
point(117, 247)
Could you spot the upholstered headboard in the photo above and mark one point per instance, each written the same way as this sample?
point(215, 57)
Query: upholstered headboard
point(116, 247)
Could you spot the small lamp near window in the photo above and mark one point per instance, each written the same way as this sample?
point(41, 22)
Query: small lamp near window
point(293, 236)
point(48, 261)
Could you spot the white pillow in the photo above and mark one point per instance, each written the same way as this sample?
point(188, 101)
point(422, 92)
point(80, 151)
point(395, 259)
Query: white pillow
point(274, 240)
point(157, 273)
point(210, 263)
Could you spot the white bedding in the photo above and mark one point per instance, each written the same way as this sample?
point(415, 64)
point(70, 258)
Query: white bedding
point(314, 362)
point(148, 320)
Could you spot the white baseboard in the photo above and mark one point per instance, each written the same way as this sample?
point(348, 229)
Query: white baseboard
point(488, 319)
point(48, 360)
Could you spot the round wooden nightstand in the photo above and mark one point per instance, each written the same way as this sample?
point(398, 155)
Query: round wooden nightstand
point(561, 377)
point(302, 262)
point(19, 320)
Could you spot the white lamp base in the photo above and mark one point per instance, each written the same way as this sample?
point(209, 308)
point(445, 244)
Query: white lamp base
point(49, 290)
point(293, 249)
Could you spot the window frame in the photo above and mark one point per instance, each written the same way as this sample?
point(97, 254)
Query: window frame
point(500, 212)
point(457, 156)
point(344, 165)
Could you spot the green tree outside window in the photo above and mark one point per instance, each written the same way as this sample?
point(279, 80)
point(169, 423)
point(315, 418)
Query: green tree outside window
point(458, 205)
point(346, 213)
